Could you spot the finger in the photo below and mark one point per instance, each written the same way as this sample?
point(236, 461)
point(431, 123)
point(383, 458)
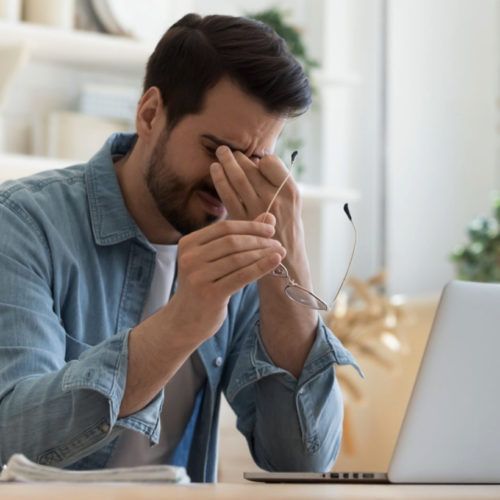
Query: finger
point(274, 170)
point(227, 194)
point(251, 170)
point(231, 264)
point(232, 244)
point(262, 186)
point(226, 227)
point(236, 176)
point(236, 280)
point(267, 218)
point(278, 181)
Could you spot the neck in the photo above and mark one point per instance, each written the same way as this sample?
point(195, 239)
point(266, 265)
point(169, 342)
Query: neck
point(130, 171)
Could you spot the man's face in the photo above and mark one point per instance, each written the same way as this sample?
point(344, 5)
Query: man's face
point(178, 175)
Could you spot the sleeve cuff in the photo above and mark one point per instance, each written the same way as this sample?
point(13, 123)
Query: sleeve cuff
point(103, 369)
point(254, 363)
point(326, 351)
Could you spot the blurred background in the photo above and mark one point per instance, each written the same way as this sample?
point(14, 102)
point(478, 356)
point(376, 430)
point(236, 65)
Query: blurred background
point(404, 127)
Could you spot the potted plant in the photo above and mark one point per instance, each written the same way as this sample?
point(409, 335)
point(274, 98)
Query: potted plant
point(479, 258)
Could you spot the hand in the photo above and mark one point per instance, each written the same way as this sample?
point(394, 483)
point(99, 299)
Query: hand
point(214, 263)
point(246, 189)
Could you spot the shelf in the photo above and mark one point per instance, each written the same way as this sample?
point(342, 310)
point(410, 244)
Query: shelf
point(79, 48)
point(98, 50)
point(14, 166)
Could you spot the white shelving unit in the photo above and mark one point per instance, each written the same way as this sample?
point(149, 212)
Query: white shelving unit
point(14, 166)
point(77, 48)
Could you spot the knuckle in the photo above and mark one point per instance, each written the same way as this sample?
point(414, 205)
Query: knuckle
point(243, 276)
point(291, 193)
point(186, 260)
point(184, 241)
point(291, 188)
point(226, 226)
point(241, 259)
point(269, 159)
point(232, 241)
point(264, 269)
point(260, 242)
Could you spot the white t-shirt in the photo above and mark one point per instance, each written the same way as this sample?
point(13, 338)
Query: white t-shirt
point(133, 448)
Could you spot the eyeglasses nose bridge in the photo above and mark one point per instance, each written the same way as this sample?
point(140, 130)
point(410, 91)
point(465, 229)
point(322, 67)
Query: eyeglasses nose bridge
point(281, 272)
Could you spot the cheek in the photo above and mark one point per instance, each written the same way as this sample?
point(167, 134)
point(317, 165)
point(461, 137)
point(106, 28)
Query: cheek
point(191, 165)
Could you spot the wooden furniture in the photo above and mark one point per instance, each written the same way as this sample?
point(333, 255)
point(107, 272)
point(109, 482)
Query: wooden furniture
point(62, 491)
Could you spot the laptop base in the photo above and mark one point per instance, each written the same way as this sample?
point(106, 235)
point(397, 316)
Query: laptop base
point(317, 477)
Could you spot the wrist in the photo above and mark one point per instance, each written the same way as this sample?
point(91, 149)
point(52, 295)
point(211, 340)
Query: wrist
point(192, 321)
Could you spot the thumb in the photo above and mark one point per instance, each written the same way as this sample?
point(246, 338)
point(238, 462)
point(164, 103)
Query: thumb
point(266, 217)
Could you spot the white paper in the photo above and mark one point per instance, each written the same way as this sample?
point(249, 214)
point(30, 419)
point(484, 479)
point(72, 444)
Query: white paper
point(21, 469)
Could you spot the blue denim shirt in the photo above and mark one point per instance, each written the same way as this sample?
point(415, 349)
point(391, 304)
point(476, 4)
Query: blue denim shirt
point(75, 271)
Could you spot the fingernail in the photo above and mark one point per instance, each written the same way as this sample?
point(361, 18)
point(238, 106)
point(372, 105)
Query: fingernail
point(222, 150)
point(269, 219)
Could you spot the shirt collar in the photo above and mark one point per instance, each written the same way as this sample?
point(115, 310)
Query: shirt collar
point(110, 219)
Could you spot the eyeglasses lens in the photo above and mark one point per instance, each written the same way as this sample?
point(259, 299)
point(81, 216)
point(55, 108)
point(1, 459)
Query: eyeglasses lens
point(305, 298)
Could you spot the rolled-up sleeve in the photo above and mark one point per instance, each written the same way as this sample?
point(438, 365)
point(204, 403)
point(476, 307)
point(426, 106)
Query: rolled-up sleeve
point(53, 410)
point(58, 417)
point(290, 424)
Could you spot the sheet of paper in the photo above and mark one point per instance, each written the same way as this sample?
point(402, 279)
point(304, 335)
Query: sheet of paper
point(21, 469)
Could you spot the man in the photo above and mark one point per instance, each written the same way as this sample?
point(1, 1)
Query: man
point(137, 287)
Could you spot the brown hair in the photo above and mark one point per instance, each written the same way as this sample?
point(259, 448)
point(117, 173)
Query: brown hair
point(196, 52)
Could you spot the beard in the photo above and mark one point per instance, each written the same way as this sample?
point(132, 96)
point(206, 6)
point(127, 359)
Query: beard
point(172, 194)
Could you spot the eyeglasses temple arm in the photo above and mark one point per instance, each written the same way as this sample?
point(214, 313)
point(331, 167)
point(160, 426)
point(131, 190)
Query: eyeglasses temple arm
point(346, 210)
point(294, 155)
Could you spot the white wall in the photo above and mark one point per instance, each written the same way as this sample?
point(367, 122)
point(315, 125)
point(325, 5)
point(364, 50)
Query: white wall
point(367, 59)
point(443, 84)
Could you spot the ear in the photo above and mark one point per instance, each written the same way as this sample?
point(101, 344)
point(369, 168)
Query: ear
point(150, 118)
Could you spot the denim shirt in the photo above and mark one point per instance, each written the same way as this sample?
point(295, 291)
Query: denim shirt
point(75, 271)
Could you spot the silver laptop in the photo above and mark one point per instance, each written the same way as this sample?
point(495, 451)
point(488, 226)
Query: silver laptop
point(451, 429)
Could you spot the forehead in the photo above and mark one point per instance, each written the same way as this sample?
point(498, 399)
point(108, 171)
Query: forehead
point(231, 114)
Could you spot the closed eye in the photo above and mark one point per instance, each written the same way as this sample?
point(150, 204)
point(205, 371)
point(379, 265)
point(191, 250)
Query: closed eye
point(210, 151)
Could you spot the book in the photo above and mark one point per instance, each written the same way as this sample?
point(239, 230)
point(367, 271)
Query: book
point(21, 469)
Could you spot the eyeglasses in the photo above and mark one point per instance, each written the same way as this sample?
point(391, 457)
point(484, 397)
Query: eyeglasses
point(292, 289)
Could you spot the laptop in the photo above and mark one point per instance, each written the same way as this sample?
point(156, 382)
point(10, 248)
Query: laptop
point(451, 429)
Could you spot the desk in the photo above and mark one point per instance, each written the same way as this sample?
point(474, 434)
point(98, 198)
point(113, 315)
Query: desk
point(231, 491)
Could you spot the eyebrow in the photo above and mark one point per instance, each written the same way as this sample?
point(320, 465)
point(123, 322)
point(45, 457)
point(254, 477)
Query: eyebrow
point(222, 142)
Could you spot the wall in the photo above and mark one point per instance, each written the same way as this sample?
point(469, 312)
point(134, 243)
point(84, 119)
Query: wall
point(442, 166)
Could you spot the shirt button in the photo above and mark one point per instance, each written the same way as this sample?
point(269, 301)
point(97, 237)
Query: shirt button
point(301, 391)
point(104, 427)
point(218, 361)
